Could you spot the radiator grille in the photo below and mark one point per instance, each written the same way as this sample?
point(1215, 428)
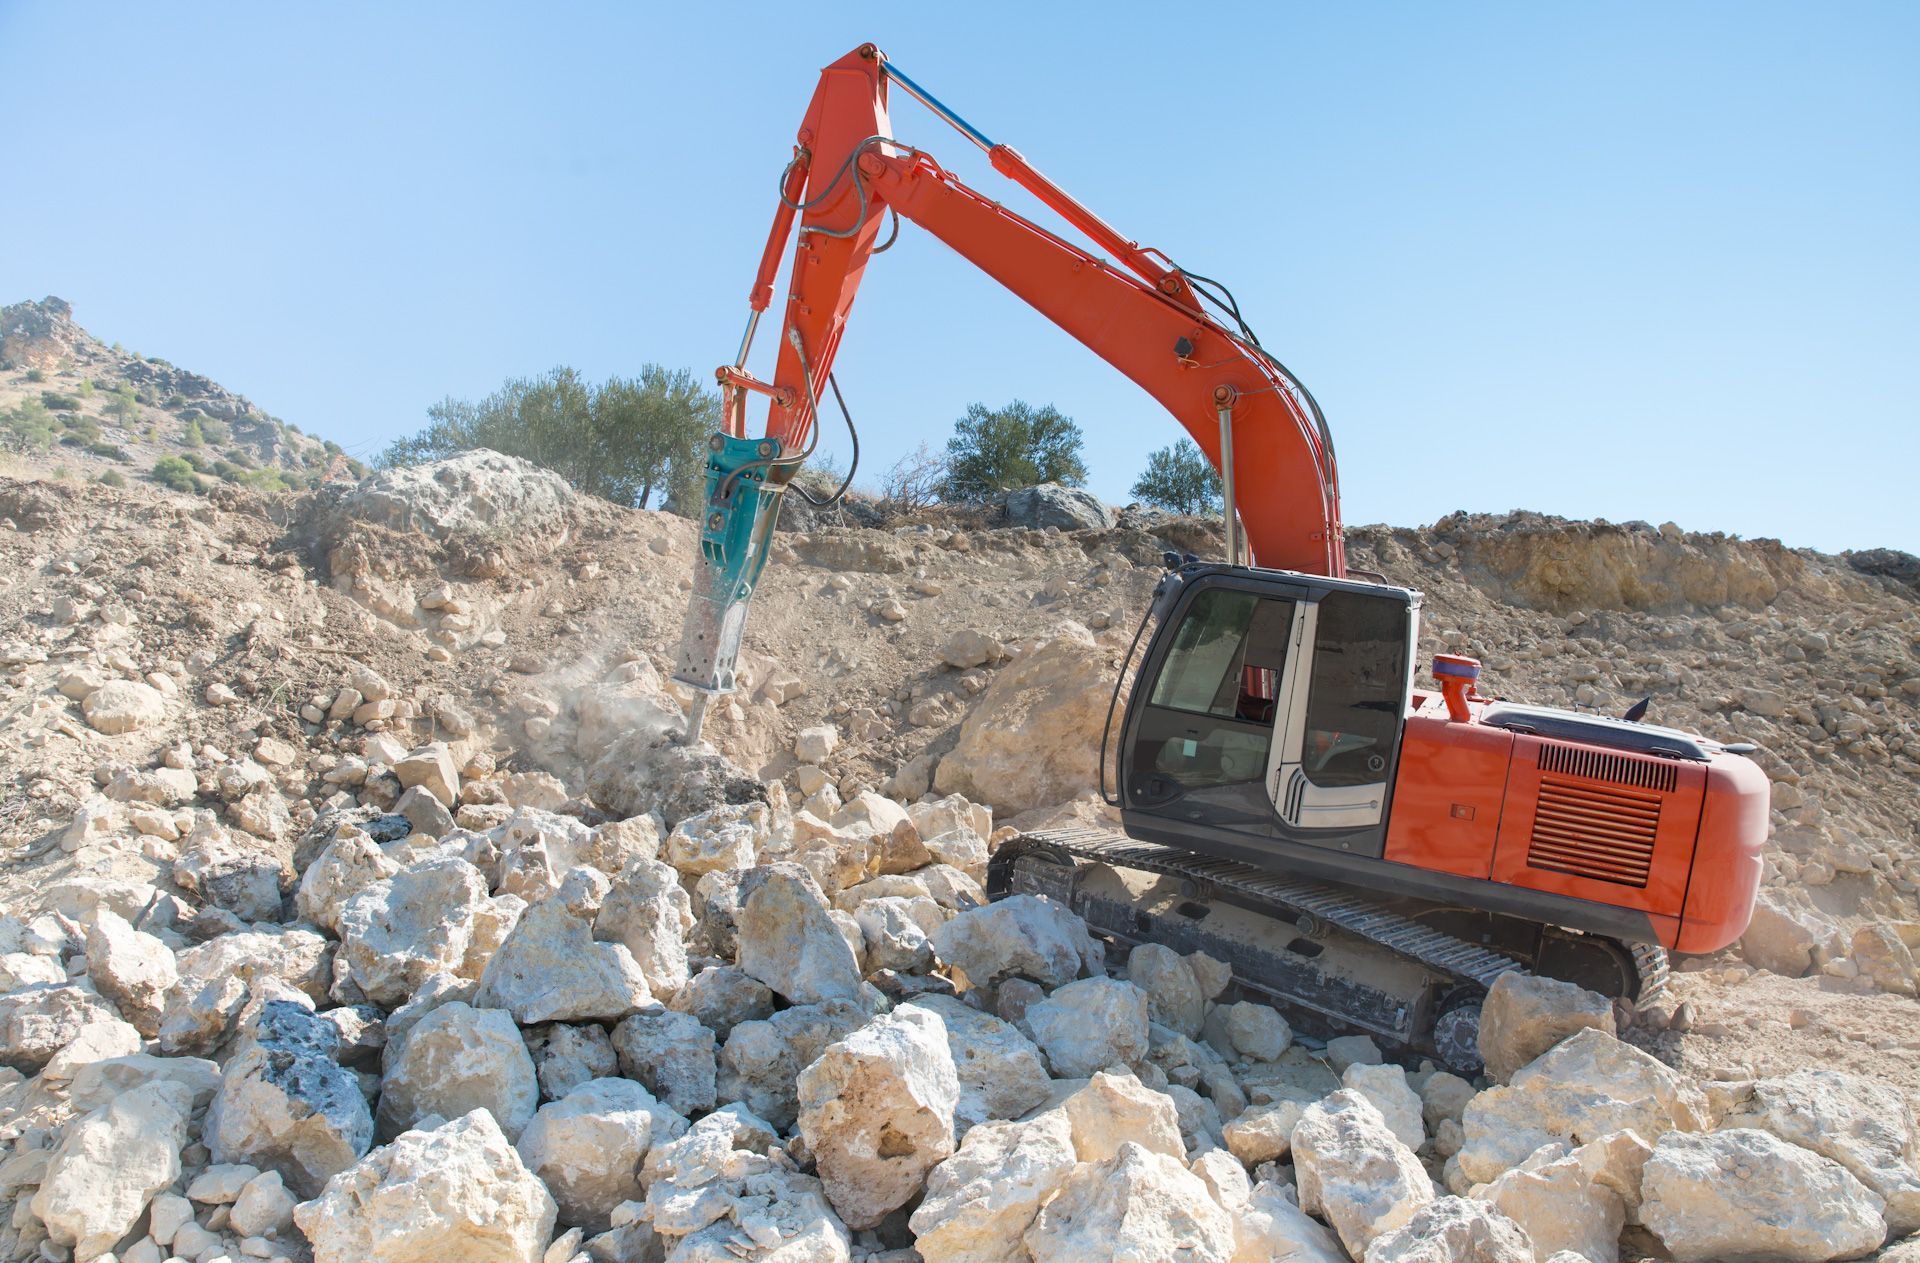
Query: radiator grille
point(1594, 831)
point(1599, 765)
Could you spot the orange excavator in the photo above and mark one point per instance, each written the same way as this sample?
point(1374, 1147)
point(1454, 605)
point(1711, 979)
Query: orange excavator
point(1367, 853)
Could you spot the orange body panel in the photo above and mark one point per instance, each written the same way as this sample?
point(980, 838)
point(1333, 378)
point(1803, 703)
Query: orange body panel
point(1728, 857)
point(1448, 793)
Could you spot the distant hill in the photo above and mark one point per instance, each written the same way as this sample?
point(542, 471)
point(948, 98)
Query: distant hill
point(69, 402)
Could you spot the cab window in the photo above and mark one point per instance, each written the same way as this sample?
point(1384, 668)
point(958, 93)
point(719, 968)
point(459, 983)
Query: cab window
point(1210, 713)
point(1356, 693)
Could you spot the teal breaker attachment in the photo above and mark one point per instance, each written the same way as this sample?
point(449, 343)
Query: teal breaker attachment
point(745, 480)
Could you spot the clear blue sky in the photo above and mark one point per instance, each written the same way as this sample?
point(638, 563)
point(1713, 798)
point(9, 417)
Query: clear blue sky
point(1625, 260)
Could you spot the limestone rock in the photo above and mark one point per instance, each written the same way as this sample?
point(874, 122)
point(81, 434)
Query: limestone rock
point(893, 937)
point(1137, 1205)
point(1354, 1172)
point(980, 1201)
point(1051, 504)
point(109, 1165)
point(788, 941)
point(285, 1104)
point(347, 866)
point(431, 767)
point(399, 931)
point(1884, 959)
point(132, 969)
point(648, 912)
point(648, 770)
point(1000, 1071)
point(673, 1055)
point(1525, 1014)
point(99, 1082)
point(1578, 1202)
point(1386, 1086)
point(566, 1056)
point(122, 706)
point(1782, 936)
point(1454, 1230)
point(549, 969)
point(1091, 1024)
point(1264, 1133)
point(457, 1059)
point(1587, 1086)
point(1113, 1110)
point(237, 874)
point(264, 1207)
point(218, 977)
point(877, 1113)
point(762, 1059)
point(1866, 1127)
point(1033, 738)
point(1028, 936)
point(1747, 1194)
point(457, 1191)
point(1175, 997)
point(722, 997)
point(1255, 1031)
point(588, 1148)
point(723, 837)
point(36, 1022)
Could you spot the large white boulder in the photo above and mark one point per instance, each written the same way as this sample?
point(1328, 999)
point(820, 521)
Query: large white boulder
point(109, 1165)
point(1117, 1109)
point(1091, 1024)
point(1139, 1205)
point(131, 968)
point(980, 1201)
point(550, 969)
point(1028, 936)
point(1578, 1201)
point(1033, 738)
point(455, 1060)
point(1354, 1172)
point(588, 1148)
point(1588, 1086)
point(1386, 1086)
point(787, 938)
point(1000, 1071)
point(673, 1055)
point(286, 1104)
point(1866, 1127)
point(1453, 1230)
point(648, 912)
point(481, 492)
point(1178, 987)
point(457, 1191)
point(1526, 1014)
point(1747, 1194)
point(349, 864)
point(399, 931)
point(762, 1060)
point(877, 1113)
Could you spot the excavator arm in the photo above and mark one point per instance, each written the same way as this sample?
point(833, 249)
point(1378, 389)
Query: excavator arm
point(1131, 306)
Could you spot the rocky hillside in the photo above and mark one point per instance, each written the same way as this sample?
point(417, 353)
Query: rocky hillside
point(74, 408)
point(359, 904)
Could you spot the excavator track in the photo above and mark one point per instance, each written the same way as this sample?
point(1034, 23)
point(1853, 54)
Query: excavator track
point(1388, 975)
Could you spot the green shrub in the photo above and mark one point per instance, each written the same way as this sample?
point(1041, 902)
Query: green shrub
point(82, 429)
point(174, 473)
point(86, 389)
point(193, 435)
point(112, 478)
point(111, 451)
point(28, 427)
point(59, 402)
point(201, 465)
point(35, 375)
point(216, 432)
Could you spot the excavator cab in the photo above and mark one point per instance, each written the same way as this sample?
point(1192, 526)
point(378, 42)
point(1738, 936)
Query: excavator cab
point(1268, 710)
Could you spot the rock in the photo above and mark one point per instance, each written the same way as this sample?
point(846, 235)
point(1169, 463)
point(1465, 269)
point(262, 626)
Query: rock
point(647, 770)
point(649, 914)
point(1025, 935)
point(1866, 1127)
point(1033, 738)
point(221, 1183)
point(264, 1207)
point(36, 1022)
point(397, 932)
point(285, 1104)
point(1354, 1172)
point(347, 866)
point(788, 941)
point(1254, 1031)
point(132, 969)
point(1454, 1230)
point(457, 1191)
point(892, 935)
point(813, 745)
point(233, 873)
point(99, 1082)
point(1273, 1229)
point(1589, 1085)
point(480, 492)
point(968, 648)
point(431, 767)
point(1781, 937)
point(588, 1148)
point(109, 1165)
point(101, 1040)
point(122, 706)
point(1883, 959)
point(1443, 1096)
point(456, 1059)
point(566, 1056)
point(1349, 1050)
point(724, 837)
point(1137, 1205)
point(1745, 1193)
point(1050, 504)
point(761, 1060)
point(1113, 1110)
point(1386, 1087)
point(673, 1055)
point(1526, 1014)
point(1091, 1024)
point(218, 977)
point(1576, 1202)
point(877, 1113)
point(722, 997)
point(1175, 997)
point(980, 1201)
point(1000, 1071)
point(1263, 1133)
point(549, 969)
point(424, 812)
